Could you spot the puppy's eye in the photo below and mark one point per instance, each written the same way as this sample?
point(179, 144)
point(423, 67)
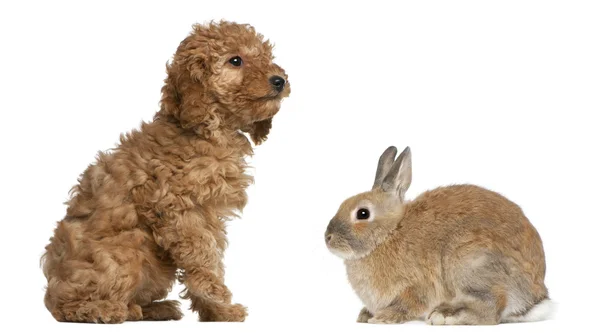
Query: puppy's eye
point(236, 61)
point(363, 214)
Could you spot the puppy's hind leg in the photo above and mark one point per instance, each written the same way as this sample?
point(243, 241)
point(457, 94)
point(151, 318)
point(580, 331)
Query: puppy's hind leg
point(153, 307)
point(92, 282)
point(100, 311)
point(162, 310)
point(159, 272)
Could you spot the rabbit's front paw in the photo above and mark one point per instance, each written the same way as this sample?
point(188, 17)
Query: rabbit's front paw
point(381, 320)
point(364, 316)
point(387, 317)
point(390, 315)
point(444, 314)
point(436, 318)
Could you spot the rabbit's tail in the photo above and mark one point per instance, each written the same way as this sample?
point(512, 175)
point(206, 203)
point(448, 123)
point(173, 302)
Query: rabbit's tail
point(541, 311)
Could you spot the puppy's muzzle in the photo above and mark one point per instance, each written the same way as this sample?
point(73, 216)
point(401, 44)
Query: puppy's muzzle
point(277, 82)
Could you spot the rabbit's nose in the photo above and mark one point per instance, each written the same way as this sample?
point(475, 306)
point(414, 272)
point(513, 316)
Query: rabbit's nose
point(328, 238)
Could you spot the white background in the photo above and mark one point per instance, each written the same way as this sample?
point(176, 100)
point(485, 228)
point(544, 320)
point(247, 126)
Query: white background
point(502, 94)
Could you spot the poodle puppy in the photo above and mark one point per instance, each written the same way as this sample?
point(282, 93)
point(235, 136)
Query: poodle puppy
point(153, 210)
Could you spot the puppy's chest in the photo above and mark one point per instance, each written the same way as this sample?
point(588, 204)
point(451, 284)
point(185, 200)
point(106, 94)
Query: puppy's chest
point(215, 181)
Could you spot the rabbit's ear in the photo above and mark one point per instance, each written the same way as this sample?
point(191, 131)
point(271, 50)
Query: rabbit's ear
point(385, 163)
point(400, 175)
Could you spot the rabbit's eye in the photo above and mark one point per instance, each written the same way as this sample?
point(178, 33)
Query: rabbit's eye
point(363, 214)
point(236, 61)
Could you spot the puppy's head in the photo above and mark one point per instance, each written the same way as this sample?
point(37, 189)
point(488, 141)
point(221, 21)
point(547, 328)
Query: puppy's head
point(223, 75)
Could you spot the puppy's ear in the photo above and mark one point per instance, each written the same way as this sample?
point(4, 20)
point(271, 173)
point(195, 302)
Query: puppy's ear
point(184, 92)
point(259, 130)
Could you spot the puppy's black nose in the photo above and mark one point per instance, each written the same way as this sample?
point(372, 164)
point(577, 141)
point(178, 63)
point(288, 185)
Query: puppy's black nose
point(277, 82)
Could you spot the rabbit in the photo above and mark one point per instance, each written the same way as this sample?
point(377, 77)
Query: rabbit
point(455, 255)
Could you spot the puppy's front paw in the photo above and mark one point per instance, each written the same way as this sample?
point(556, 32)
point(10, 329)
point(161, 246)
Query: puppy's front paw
point(236, 313)
point(210, 288)
point(229, 313)
point(218, 293)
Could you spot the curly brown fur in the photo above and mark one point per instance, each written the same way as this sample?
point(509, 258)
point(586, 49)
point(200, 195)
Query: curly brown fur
point(153, 210)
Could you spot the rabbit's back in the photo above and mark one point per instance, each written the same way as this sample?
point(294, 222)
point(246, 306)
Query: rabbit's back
point(458, 220)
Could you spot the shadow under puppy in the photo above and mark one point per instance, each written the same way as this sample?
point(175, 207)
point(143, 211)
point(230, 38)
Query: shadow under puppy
point(153, 210)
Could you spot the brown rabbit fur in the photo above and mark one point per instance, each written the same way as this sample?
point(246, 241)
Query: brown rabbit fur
point(455, 255)
point(153, 210)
